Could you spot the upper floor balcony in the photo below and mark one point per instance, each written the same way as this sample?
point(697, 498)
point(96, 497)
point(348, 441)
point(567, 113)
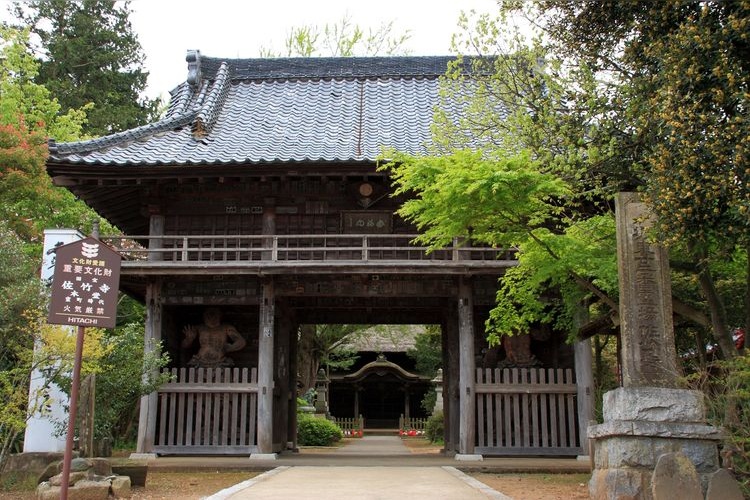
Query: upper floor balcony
point(303, 254)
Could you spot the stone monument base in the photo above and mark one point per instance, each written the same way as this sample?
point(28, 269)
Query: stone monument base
point(640, 425)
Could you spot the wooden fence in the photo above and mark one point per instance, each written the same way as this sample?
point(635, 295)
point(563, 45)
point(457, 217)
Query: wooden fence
point(351, 427)
point(526, 411)
point(412, 424)
point(207, 411)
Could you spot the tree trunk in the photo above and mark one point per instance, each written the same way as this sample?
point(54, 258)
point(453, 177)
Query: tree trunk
point(308, 358)
point(719, 327)
point(747, 297)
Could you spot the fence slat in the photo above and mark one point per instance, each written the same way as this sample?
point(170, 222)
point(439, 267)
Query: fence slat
point(180, 437)
point(253, 413)
point(561, 411)
point(190, 409)
point(572, 412)
point(535, 411)
point(544, 410)
point(243, 410)
point(199, 407)
point(489, 440)
point(481, 401)
point(554, 417)
point(172, 414)
point(507, 412)
point(235, 400)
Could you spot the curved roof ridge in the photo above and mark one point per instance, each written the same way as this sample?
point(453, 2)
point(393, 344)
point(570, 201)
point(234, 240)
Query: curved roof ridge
point(214, 100)
point(135, 134)
point(381, 364)
point(179, 100)
point(295, 68)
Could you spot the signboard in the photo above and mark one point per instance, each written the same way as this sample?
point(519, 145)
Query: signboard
point(366, 222)
point(85, 285)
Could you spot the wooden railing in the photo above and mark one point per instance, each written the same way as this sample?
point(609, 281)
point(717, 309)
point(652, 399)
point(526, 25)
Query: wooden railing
point(295, 248)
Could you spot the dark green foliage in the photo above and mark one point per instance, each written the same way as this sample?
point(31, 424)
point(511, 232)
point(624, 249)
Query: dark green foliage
point(314, 431)
point(427, 352)
point(434, 429)
point(727, 388)
point(91, 56)
point(120, 384)
point(20, 291)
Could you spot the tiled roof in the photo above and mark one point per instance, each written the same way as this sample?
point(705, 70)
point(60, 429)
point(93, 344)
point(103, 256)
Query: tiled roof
point(280, 110)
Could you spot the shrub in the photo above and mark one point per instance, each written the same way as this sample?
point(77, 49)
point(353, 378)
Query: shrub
point(433, 429)
point(726, 385)
point(313, 431)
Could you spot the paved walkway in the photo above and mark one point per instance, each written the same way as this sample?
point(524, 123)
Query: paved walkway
point(373, 482)
point(362, 483)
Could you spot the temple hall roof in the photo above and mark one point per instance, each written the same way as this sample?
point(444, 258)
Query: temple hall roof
point(270, 111)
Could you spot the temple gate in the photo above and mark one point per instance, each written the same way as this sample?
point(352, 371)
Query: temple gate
point(255, 206)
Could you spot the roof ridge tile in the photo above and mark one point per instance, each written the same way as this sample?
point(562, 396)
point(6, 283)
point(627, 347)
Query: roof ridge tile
point(118, 138)
point(214, 100)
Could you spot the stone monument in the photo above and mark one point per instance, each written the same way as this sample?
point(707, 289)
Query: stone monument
point(649, 416)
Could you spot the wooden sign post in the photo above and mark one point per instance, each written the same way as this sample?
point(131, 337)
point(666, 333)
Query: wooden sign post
point(84, 293)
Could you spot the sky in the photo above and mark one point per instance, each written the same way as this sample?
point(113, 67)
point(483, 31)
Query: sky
point(167, 29)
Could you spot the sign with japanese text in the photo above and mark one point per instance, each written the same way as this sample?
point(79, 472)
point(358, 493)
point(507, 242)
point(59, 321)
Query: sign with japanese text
point(366, 222)
point(85, 285)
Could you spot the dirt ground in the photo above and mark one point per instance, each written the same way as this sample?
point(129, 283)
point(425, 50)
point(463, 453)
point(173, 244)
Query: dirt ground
point(522, 486)
point(538, 486)
point(196, 485)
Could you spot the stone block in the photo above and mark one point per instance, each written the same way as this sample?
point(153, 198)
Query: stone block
point(723, 486)
point(675, 477)
point(136, 472)
point(655, 429)
point(102, 467)
point(74, 477)
point(89, 490)
point(620, 484)
point(121, 487)
point(654, 404)
point(45, 491)
point(51, 470)
point(34, 462)
point(640, 451)
point(80, 464)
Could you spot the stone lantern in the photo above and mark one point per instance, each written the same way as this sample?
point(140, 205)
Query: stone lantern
point(438, 381)
point(321, 388)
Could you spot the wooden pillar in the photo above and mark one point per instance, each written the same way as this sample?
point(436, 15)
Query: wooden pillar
point(407, 403)
point(268, 226)
point(266, 368)
point(292, 410)
point(585, 385)
point(155, 228)
point(356, 401)
point(282, 391)
point(152, 337)
point(450, 377)
point(466, 367)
